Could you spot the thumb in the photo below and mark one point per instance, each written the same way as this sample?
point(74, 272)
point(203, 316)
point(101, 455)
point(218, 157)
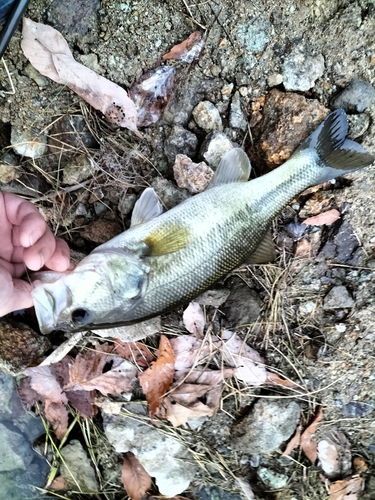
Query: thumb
point(14, 294)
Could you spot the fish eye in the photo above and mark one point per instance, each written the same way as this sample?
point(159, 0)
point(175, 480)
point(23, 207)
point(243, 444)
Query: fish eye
point(81, 316)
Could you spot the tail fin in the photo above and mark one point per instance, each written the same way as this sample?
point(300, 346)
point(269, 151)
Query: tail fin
point(337, 154)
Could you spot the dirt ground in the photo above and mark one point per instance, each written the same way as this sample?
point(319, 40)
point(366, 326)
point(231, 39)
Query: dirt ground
point(315, 303)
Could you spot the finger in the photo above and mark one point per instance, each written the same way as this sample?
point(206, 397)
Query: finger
point(37, 255)
point(15, 294)
point(60, 259)
point(15, 270)
point(24, 214)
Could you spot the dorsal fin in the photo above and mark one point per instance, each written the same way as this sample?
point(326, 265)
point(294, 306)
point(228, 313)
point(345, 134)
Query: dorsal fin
point(265, 251)
point(166, 239)
point(235, 166)
point(146, 208)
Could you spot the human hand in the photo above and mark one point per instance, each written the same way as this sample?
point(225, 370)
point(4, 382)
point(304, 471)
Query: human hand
point(25, 242)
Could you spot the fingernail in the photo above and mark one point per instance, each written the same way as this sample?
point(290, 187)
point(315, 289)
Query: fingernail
point(43, 254)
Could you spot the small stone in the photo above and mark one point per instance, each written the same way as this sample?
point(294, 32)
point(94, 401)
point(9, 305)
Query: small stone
point(269, 424)
point(357, 97)
point(180, 141)
point(76, 468)
point(194, 177)
point(169, 195)
point(78, 169)
point(357, 410)
point(338, 298)
point(275, 79)
point(358, 124)
point(126, 203)
point(334, 455)
point(242, 306)
point(92, 62)
point(254, 34)
point(7, 172)
point(227, 89)
point(207, 116)
point(215, 145)
point(237, 118)
point(214, 298)
point(164, 458)
point(38, 78)
point(68, 133)
point(272, 479)
point(307, 308)
point(101, 231)
point(301, 70)
point(28, 143)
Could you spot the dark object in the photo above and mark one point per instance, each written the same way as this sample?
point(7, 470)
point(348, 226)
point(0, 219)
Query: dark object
point(15, 9)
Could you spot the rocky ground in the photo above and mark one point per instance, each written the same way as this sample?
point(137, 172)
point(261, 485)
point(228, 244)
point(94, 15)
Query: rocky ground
point(268, 73)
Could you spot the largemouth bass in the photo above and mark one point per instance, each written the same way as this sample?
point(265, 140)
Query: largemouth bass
point(165, 260)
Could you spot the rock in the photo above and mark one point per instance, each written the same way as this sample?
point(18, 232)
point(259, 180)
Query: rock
point(73, 16)
point(216, 493)
point(186, 96)
point(20, 347)
point(356, 409)
point(169, 195)
point(272, 479)
point(180, 141)
point(300, 70)
point(338, 298)
point(287, 120)
point(357, 97)
point(126, 203)
point(254, 35)
point(78, 169)
point(214, 146)
point(214, 298)
point(164, 458)
point(101, 230)
point(8, 172)
point(207, 116)
point(358, 124)
point(38, 78)
point(28, 143)
point(131, 333)
point(194, 177)
point(275, 79)
point(226, 90)
point(269, 424)
point(236, 117)
point(242, 306)
point(76, 468)
point(342, 245)
point(69, 133)
point(92, 62)
point(334, 455)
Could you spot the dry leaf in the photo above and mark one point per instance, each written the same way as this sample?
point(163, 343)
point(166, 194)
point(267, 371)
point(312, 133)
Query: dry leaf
point(346, 489)
point(294, 442)
point(188, 50)
point(249, 363)
point(328, 217)
point(57, 415)
point(246, 488)
point(335, 458)
point(179, 414)
point(59, 483)
point(193, 319)
point(359, 465)
point(151, 94)
point(135, 478)
point(45, 384)
point(190, 351)
point(136, 352)
point(48, 52)
point(157, 379)
point(276, 380)
point(308, 442)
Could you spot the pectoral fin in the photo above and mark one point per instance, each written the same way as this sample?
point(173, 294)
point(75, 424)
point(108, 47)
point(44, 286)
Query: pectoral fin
point(235, 166)
point(147, 208)
point(167, 239)
point(265, 252)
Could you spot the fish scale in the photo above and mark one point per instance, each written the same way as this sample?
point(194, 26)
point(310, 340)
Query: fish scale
point(165, 260)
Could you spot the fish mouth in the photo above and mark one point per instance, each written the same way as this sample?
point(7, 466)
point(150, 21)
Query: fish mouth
point(43, 304)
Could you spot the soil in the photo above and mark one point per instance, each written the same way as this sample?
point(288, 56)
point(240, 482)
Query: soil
point(316, 301)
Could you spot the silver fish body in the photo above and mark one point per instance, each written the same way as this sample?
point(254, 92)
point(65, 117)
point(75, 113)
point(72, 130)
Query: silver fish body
point(167, 259)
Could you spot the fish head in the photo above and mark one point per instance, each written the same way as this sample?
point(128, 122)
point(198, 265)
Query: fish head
point(98, 292)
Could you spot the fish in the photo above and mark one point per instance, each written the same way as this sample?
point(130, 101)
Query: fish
point(167, 259)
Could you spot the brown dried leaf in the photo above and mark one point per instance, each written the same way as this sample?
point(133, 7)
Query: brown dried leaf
point(45, 385)
point(48, 52)
point(151, 94)
point(308, 443)
point(276, 380)
point(188, 50)
point(59, 483)
point(346, 489)
point(249, 363)
point(328, 217)
point(189, 350)
point(179, 414)
point(294, 442)
point(136, 352)
point(157, 379)
point(135, 478)
point(57, 415)
point(193, 319)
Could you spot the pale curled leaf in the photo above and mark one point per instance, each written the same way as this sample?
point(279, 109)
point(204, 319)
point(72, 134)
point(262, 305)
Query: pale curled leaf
point(157, 379)
point(188, 50)
point(349, 488)
point(328, 217)
point(135, 479)
point(193, 319)
point(190, 351)
point(49, 53)
point(45, 384)
point(134, 351)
